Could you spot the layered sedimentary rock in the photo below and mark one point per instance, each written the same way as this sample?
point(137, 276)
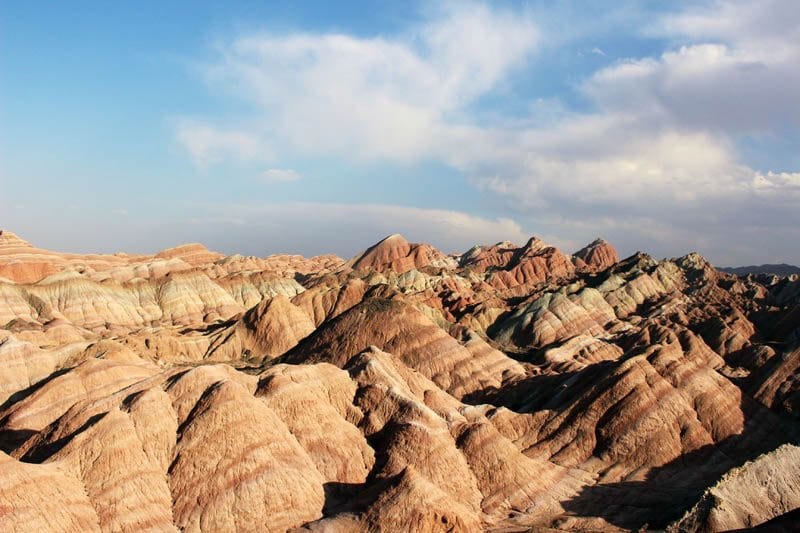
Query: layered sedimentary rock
point(531, 265)
point(400, 328)
point(748, 496)
point(597, 255)
point(21, 262)
point(396, 254)
point(266, 331)
point(509, 388)
point(43, 498)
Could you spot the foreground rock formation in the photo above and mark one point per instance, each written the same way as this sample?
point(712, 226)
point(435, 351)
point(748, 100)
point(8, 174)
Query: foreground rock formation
point(507, 388)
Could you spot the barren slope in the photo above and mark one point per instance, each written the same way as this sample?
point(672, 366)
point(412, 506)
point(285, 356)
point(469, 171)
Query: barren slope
point(506, 388)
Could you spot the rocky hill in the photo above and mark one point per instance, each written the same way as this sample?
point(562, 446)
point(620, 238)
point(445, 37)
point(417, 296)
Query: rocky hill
point(508, 388)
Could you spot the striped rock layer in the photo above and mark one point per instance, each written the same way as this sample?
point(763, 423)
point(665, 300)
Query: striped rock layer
point(506, 388)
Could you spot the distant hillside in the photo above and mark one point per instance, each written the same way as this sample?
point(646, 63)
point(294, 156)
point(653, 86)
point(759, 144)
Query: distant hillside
point(779, 270)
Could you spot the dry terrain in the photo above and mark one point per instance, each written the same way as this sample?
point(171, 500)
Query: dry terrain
point(508, 388)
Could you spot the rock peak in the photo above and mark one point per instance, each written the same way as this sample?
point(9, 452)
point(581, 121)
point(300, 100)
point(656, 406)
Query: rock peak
point(394, 253)
point(394, 237)
point(597, 255)
point(192, 253)
point(6, 237)
point(534, 242)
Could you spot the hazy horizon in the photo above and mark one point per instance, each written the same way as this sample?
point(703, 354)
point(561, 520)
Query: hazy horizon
point(252, 249)
point(315, 128)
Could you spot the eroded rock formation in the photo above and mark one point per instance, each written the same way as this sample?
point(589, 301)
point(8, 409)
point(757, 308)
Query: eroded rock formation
point(508, 388)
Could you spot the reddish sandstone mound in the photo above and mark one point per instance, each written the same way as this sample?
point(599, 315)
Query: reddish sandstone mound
point(397, 254)
point(598, 255)
point(531, 265)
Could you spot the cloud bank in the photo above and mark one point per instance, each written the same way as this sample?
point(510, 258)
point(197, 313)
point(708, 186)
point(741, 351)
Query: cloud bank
point(345, 229)
point(653, 159)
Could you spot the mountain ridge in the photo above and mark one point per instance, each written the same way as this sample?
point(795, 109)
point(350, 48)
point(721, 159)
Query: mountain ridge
point(779, 269)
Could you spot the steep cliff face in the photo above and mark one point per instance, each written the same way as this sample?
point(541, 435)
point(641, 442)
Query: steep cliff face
point(508, 388)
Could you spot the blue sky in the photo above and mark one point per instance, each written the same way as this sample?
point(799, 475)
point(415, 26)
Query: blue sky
point(313, 127)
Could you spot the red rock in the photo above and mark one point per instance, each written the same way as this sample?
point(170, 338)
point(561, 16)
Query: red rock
point(596, 256)
point(397, 254)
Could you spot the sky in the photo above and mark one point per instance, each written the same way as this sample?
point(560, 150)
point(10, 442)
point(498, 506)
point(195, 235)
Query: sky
point(320, 127)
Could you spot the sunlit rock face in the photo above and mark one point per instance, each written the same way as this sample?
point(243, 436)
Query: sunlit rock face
point(507, 388)
point(597, 255)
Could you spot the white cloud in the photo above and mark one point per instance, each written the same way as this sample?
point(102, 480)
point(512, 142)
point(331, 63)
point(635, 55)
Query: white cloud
point(716, 86)
point(280, 175)
point(345, 229)
point(208, 144)
point(365, 98)
point(658, 151)
point(618, 162)
point(751, 23)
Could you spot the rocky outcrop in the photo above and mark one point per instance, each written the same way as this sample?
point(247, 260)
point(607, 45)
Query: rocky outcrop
point(777, 384)
point(193, 254)
point(553, 317)
point(316, 403)
point(482, 258)
point(396, 254)
point(596, 256)
point(264, 332)
point(749, 495)
point(186, 285)
point(531, 265)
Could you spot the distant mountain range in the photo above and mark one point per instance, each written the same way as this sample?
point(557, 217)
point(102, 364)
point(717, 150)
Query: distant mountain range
point(779, 270)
